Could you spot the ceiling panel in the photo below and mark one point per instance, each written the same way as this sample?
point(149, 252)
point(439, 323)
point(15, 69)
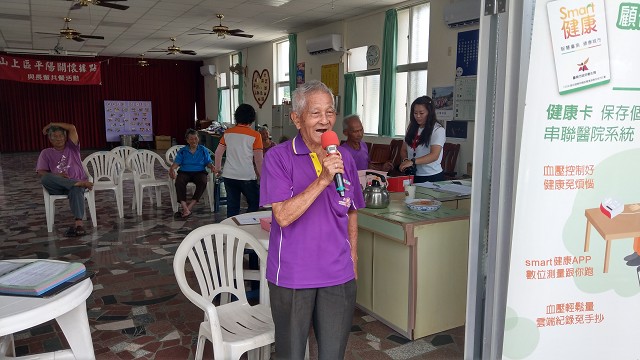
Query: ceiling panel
point(149, 24)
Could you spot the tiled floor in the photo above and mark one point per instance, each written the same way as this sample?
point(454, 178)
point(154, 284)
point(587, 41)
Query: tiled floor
point(136, 310)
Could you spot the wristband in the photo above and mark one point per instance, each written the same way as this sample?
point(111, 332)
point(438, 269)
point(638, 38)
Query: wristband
point(413, 160)
point(405, 159)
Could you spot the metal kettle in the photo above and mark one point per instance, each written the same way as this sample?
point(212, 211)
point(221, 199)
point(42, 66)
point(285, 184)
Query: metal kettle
point(376, 196)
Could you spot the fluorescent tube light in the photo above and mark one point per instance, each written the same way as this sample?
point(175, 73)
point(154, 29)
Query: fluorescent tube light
point(27, 51)
point(50, 52)
point(80, 53)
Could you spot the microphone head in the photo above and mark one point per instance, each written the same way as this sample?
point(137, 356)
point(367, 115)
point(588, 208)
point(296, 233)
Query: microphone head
point(329, 138)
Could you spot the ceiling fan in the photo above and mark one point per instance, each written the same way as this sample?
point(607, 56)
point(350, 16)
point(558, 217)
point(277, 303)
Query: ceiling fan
point(71, 34)
point(222, 31)
point(173, 49)
point(106, 3)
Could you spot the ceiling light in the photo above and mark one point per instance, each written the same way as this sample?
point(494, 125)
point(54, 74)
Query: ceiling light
point(27, 51)
point(50, 52)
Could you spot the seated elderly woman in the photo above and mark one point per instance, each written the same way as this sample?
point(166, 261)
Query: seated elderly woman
point(192, 161)
point(266, 138)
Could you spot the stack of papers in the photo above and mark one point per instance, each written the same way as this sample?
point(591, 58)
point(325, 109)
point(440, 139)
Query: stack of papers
point(457, 189)
point(36, 278)
point(248, 219)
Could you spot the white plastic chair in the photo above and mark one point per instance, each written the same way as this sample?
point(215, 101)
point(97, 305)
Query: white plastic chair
point(215, 253)
point(124, 152)
point(50, 207)
point(170, 155)
point(104, 168)
point(127, 173)
point(143, 163)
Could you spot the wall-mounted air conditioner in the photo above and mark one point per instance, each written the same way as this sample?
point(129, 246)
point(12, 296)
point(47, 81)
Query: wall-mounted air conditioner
point(462, 12)
point(324, 44)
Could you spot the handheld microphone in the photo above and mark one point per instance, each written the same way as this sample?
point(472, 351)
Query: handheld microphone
point(330, 143)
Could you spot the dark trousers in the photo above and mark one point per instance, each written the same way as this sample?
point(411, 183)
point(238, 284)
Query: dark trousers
point(249, 188)
point(430, 178)
point(328, 309)
point(58, 185)
point(184, 177)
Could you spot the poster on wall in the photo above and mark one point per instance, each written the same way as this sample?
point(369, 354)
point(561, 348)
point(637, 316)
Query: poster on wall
point(456, 129)
point(261, 86)
point(467, 53)
point(329, 75)
point(443, 102)
point(299, 74)
point(464, 98)
point(575, 252)
point(128, 118)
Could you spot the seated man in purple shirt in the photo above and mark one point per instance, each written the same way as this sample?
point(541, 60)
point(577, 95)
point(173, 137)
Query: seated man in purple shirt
point(352, 128)
point(61, 171)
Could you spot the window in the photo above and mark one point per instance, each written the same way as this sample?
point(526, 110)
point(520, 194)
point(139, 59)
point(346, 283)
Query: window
point(225, 99)
point(229, 96)
point(413, 56)
point(411, 78)
point(281, 72)
point(368, 90)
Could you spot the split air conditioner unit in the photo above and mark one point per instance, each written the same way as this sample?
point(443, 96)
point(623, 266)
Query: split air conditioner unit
point(207, 70)
point(462, 13)
point(324, 44)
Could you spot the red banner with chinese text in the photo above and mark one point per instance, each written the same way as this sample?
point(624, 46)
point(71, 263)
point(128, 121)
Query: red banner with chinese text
point(49, 71)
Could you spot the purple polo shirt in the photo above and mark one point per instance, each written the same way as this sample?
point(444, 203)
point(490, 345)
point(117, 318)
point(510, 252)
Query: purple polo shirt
point(66, 161)
point(313, 251)
point(361, 156)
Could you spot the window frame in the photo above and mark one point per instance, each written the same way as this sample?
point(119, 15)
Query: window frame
point(281, 86)
point(230, 90)
point(361, 100)
point(408, 68)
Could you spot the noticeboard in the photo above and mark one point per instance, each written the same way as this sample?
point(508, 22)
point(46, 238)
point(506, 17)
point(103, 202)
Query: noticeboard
point(128, 118)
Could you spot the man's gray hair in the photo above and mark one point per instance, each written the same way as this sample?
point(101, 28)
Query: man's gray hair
point(299, 95)
point(345, 121)
point(53, 129)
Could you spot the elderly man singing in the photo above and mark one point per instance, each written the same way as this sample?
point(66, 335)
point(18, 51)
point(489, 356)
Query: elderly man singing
point(313, 239)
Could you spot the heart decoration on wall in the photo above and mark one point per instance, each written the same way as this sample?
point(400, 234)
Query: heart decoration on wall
point(261, 86)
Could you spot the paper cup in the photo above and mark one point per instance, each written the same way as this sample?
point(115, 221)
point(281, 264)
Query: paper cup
point(410, 192)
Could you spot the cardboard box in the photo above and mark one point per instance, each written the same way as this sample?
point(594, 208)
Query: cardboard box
point(163, 142)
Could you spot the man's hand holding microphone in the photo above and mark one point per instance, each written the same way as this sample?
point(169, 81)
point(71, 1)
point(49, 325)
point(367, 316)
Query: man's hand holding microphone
point(333, 164)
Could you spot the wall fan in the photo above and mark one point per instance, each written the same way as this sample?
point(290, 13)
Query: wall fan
point(71, 34)
point(222, 31)
point(106, 3)
point(238, 69)
point(173, 49)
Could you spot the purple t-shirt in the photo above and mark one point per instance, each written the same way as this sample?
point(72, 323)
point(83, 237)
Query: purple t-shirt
point(63, 161)
point(361, 156)
point(314, 250)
